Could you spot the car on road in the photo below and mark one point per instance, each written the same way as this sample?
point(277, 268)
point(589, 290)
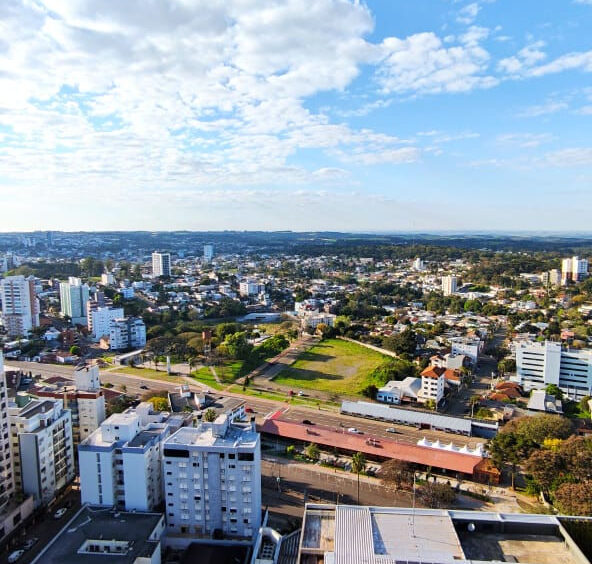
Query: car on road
point(300, 393)
point(355, 431)
point(391, 430)
point(30, 543)
point(14, 556)
point(249, 410)
point(307, 422)
point(60, 512)
point(143, 387)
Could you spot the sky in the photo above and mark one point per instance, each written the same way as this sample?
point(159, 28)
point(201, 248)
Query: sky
point(385, 115)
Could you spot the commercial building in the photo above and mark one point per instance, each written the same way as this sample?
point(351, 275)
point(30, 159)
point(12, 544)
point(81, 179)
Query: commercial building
point(161, 264)
point(42, 447)
point(573, 269)
point(20, 306)
point(212, 476)
point(208, 253)
point(120, 463)
point(85, 400)
point(107, 279)
point(96, 535)
point(540, 364)
point(470, 347)
point(449, 285)
point(418, 264)
point(314, 319)
point(74, 296)
point(100, 320)
point(127, 333)
point(250, 288)
point(344, 534)
point(396, 391)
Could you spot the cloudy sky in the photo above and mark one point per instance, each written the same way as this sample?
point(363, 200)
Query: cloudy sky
point(296, 114)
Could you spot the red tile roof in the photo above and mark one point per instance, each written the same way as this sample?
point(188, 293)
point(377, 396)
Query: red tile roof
point(384, 448)
point(452, 374)
point(433, 371)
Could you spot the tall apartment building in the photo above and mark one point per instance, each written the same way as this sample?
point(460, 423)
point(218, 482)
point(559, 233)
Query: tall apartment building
point(74, 296)
point(212, 479)
point(432, 385)
point(573, 269)
point(127, 333)
point(250, 288)
point(100, 318)
point(161, 264)
point(42, 448)
point(449, 284)
point(20, 306)
point(540, 364)
point(85, 401)
point(208, 253)
point(418, 264)
point(121, 462)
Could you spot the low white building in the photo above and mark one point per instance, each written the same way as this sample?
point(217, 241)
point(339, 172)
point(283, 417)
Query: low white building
point(470, 347)
point(314, 319)
point(42, 448)
point(397, 391)
point(213, 480)
point(107, 279)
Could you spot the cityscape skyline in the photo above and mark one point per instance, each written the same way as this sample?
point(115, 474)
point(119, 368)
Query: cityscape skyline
point(316, 115)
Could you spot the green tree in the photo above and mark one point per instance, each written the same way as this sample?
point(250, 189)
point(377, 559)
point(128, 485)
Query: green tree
point(75, 350)
point(545, 466)
point(209, 415)
point(160, 404)
point(508, 449)
point(403, 343)
point(396, 472)
point(435, 495)
point(358, 466)
point(574, 499)
point(554, 390)
point(312, 452)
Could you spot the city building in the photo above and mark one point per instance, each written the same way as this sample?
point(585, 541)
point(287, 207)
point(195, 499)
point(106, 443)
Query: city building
point(97, 535)
point(85, 400)
point(20, 306)
point(540, 364)
point(74, 296)
point(396, 391)
point(346, 534)
point(121, 462)
point(107, 279)
point(42, 447)
point(100, 319)
point(212, 476)
point(449, 285)
point(127, 333)
point(432, 385)
point(467, 346)
point(250, 288)
point(208, 253)
point(314, 319)
point(573, 269)
point(161, 264)
point(418, 264)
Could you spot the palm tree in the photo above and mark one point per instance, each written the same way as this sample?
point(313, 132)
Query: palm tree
point(358, 465)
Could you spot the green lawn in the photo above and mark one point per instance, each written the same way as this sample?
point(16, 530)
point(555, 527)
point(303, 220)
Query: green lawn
point(148, 373)
point(334, 366)
point(227, 372)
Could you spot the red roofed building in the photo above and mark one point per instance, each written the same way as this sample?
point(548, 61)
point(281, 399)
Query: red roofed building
point(432, 385)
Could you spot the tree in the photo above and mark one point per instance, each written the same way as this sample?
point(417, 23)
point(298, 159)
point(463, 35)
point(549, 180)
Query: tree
point(554, 390)
point(574, 499)
point(541, 427)
point(358, 466)
point(237, 346)
point(312, 452)
point(160, 404)
point(403, 343)
point(75, 350)
point(510, 449)
point(396, 472)
point(544, 466)
point(209, 416)
point(434, 495)
point(576, 453)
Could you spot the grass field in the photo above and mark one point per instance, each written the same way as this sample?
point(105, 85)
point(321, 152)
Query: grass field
point(148, 373)
point(333, 366)
point(227, 372)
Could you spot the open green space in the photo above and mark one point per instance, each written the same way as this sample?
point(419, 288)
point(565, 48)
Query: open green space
point(334, 366)
point(148, 373)
point(227, 372)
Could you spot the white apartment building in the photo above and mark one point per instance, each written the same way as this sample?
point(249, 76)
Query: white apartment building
point(250, 288)
point(121, 462)
point(212, 479)
point(107, 279)
point(20, 306)
point(127, 333)
point(573, 269)
point(161, 264)
point(467, 346)
point(449, 284)
point(73, 298)
point(540, 364)
point(42, 448)
point(208, 253)
point(101, 318)
point(314, 319)
point(418, 264)
point(432, 385)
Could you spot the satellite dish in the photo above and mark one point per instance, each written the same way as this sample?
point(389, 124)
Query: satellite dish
point(471, 527)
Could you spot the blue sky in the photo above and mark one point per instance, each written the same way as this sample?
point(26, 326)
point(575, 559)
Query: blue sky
point(296, 114)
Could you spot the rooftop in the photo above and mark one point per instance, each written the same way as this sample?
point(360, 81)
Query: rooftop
point(204, 435)
point(130, 530)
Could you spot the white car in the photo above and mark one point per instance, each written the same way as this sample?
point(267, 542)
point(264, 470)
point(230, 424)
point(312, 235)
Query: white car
point(354, 430)
point(60, 513)
point(14, 556)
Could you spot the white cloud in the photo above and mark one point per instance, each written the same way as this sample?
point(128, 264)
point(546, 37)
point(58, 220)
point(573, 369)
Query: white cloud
point(570, 61)
point(581, 156)
point(587, 2)
point(422, 64)
point(524, 140)
point(468, 14)
point(525, 58)
point(549, 107)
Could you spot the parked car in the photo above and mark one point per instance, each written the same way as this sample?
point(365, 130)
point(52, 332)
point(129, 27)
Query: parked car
point(143, 387)
point(307, 422)
point(249, 410)
point(354, 430)
point(391, 430)
point(300, 393)
point(30, 543)
point(60, 512)
point(14, 556)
